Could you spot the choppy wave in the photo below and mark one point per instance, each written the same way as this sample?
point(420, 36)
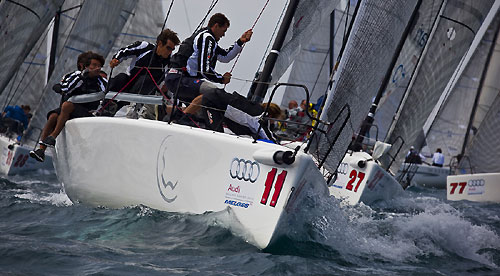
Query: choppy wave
point(419, 232)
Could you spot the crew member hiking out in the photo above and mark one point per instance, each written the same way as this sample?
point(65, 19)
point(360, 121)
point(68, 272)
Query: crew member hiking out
point(143, 55)
point(239, 115)
point(76, 83)
point(192, 70)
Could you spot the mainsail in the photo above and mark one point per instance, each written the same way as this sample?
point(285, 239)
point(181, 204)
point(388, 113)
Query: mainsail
point(448, 130)
point(306, 22)
point(406, 64)
point(21, 24)
point(312, 65)
point(458, 24)
point(377, 31)
point(96, 28)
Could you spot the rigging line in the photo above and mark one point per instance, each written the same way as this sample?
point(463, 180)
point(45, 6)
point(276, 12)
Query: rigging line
point(156, 44)
point(272, 35)
point(21, 5)
point(253, 26)
point(210, 8)
point(186, 13)
point(458, 22)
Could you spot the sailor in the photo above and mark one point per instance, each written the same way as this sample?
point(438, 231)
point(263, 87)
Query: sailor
point(238, 114)
point(75, 83)
point(413, 156)
point(142, 55)
point(438, 158)
point(193, 66)
point(15, 119)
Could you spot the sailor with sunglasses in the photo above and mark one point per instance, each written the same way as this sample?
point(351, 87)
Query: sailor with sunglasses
point(144, 54)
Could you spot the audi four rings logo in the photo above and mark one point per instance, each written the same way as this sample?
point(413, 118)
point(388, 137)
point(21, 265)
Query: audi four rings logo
point(244, 170)
point(476, 182)
point(342, 169)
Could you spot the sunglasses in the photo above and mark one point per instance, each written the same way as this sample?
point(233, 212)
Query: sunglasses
point(170, 48)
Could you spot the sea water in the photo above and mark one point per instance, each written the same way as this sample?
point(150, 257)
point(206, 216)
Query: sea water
point(418, 233)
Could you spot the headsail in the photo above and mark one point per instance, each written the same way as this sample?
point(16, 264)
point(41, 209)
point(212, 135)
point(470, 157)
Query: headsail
point(96, 28)
point(21, 24)
point(452, 37)
point(376, 33)
point(483, 152)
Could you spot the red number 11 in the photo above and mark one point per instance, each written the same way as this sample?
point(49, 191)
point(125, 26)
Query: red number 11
point(277, 187)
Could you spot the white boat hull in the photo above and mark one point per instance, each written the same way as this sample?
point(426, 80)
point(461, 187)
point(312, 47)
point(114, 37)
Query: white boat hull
point(482, 187)
point(15, 158)
point(118, 162)
point(366, 184)
point(426, 176)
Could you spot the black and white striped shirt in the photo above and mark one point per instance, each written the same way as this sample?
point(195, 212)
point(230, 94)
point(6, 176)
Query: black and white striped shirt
point(140, 52)
point(76, 84)
point(206, 54)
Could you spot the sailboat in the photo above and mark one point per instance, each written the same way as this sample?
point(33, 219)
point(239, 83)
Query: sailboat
point(22, 25)
point(118, 162)
point(447, 44)
point(477, 172)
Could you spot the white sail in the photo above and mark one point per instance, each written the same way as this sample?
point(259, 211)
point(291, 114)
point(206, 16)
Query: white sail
point(452, 37)
point(312, 66)
point(306, 22)
point(376, 33)
point(96, 28)
point(21, 24)
point(449, 127)
point(405, 65)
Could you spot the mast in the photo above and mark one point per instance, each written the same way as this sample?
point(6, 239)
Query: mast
point(55, 37)
point(367, 123)
point(53, 44)
point(265, 76)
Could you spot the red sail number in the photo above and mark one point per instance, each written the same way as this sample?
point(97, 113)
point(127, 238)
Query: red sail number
point(353, 175)
point(455, 185)
point(277, 187)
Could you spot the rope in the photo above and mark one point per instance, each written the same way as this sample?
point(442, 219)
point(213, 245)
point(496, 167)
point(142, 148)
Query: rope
point(212, 6)
point(156, 45)
point(274, 32)
point(255, 23)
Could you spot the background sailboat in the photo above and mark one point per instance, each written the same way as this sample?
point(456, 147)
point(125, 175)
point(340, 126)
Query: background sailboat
point(374, 38)
point(450, 126)
point(452, 36)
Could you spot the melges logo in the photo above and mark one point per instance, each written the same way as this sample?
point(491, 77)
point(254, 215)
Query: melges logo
point(234, 189)
point(236, 203)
